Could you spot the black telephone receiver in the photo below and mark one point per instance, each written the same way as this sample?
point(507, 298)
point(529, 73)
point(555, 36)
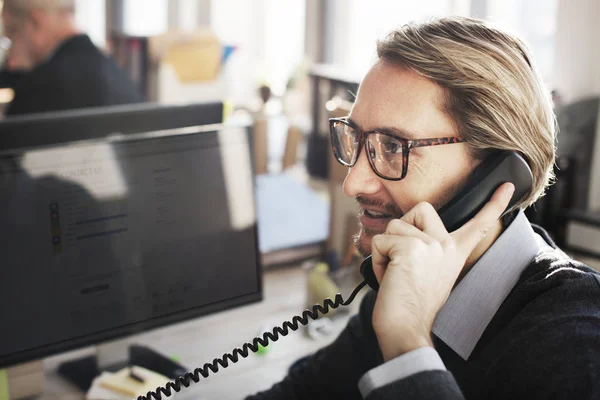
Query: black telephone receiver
point(501, 167)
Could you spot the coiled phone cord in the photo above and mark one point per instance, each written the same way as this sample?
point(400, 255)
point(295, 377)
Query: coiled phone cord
point(283, 330)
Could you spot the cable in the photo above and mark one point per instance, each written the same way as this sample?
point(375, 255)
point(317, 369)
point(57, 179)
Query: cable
point(283, 330)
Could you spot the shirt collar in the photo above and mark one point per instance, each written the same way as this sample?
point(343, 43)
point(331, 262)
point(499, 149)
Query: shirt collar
point(475, 300)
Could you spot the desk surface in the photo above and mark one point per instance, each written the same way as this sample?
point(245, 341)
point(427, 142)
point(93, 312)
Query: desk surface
point(200, 340)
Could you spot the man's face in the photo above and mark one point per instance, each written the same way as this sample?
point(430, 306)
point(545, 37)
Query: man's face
point(20, 31)
point(392, 97)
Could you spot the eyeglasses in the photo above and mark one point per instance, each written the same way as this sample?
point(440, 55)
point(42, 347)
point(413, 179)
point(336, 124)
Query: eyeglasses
point(387, 153)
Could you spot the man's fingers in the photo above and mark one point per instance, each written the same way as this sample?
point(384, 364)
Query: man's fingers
point(422, 224)
point(399, 227)
point(381, 246)
point(425, 217)
point(384, 247)
point(470, 234)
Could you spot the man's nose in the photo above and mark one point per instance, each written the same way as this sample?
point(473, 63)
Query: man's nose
point(361, 180)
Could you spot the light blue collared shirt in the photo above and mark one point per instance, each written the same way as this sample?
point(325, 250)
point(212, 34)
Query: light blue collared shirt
point(470, 307)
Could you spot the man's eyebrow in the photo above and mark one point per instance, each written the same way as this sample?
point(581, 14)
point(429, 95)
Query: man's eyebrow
point(401, 133)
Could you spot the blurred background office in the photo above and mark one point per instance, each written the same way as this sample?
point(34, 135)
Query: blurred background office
point(284, 68)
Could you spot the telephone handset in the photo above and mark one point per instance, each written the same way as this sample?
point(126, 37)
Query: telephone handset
point(504, 166)
point(487, 177)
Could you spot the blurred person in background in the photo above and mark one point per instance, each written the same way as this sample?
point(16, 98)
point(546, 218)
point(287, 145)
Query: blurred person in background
point(63, 68)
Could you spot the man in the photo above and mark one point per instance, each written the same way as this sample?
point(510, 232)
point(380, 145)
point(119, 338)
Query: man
point(65, 69)
point(492, 310)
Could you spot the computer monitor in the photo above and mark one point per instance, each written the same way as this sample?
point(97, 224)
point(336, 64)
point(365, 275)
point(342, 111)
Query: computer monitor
point(43, 129)
point(110, 237)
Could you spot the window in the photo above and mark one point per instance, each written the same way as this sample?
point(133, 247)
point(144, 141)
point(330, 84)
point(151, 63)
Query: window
point(353, 26)
point(532, 20)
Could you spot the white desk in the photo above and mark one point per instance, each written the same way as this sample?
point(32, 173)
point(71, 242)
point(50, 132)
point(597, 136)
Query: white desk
point(199, 341)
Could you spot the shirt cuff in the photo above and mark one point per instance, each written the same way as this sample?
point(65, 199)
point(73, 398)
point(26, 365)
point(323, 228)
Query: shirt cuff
point(419, 360)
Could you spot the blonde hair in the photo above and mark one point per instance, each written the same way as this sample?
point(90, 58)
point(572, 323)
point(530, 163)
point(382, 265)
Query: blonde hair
point(494, 94)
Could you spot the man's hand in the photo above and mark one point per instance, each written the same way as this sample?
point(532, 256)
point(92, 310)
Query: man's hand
point(417, 262)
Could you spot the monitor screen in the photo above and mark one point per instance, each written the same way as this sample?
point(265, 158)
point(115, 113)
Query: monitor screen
point(107, 238)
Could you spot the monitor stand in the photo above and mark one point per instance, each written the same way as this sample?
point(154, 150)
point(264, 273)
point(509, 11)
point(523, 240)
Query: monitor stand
point(113, 356)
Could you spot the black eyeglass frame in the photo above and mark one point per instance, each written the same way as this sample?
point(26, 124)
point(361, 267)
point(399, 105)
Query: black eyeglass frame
point(407, 145)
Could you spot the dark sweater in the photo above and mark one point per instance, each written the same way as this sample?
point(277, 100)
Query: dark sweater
point(77, 75)
point(543, 343)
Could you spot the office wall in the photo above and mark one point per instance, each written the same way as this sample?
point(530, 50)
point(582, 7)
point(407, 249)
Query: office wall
point(269, 35)
point(90, 17)
point(315, 30)
point(153, 17)
point(240, 23)
point(594, 192)
point(189, 14)
point(577, 52)
point(577, 68)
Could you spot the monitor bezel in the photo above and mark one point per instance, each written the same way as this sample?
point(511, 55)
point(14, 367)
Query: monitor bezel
point(48, 129)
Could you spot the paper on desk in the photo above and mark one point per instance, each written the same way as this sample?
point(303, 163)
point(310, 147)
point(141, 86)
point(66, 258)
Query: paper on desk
point(97, 392)
point(118, 385)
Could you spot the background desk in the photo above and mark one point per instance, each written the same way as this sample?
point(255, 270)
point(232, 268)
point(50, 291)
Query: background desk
point(198, 341)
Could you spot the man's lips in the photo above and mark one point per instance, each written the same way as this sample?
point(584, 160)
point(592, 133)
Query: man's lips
point(372, 213)
point(375, 220)
point(375, 214)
